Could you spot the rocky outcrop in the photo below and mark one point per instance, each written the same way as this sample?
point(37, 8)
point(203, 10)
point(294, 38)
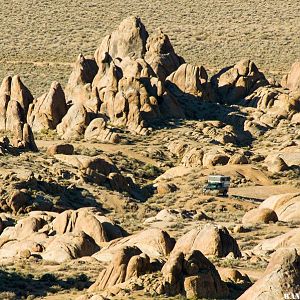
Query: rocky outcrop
point(69, 246)
point(259, 216)
point(153, 242)
point(15, 119)
point(186, 87)
point(280, 279)
point(15, 99)
point(99, 163)
point(237, 82)
point(238, 159)
point(193, 157)
point(89, 221)
point(291, 81)
point(20, 93)
point(128, 100)
point(100, 170)
point(47, 111)
point(79, 88)
point(286, 206)
point(161, 56)
point(276, 164)
point(59, 237)
point(74, 123)
point(128, 262)
point(215, 158)
point(28, 141)
point(276, 103)
point(4, 100)
point(211, 240)
point(194, 275)
point(67, 149)
point(128, 40)
point(98, 130)
point(290, 239)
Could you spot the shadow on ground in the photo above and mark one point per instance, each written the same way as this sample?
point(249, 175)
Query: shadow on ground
point(16, 286)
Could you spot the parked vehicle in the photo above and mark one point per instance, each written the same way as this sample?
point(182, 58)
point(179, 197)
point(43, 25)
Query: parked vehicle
point(217, 184)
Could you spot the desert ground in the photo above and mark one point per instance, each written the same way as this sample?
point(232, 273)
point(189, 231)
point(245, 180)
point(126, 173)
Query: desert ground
point(110, 129)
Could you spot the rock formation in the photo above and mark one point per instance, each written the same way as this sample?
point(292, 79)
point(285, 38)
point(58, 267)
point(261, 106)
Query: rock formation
point(100, 170)
point(187, 85)
point(290, 239)
point(153, 242)
point(260, 215)
point(98, 130)
point(128, 262)
point(286, 206)
point(74, 123)
point(291, 81)
point(160, 55)
point(280, 278)
point(79, 87)
point(194, 275)
point(211, 240)
point(69, 246)
point(89, 221)
point(237, 82)
point(47, 111)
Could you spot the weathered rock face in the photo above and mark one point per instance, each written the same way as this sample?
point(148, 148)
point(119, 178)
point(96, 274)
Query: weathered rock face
point(59, 237)
point(17, 201)
point(69, 246)
point(286, 206)
point(67, 149)
point(15, 119)
point(185, 87)
point(188, 79)
point(193, 158)
point(292, 80)
point(99, 163)
point(239, 81)
point(275, 103)
point(214, 159)
point(19, 92)
point(194, 275)
point(15, 99)
point(89, 221)
point(291, 239)
point(100, 170)
point(28, 141)
point(260, 215)
point(128, 101)
point(161, 56)
point(4, 99)
point(132, 68)
point(238, 159)
point(211, 240)
point(233, 276)
point(128, 262)
point(281, 277)
point(74, 122)
point(23, 137)
point(97, 130)
point(276, 164)
point(79, 87)
point(47, 111)
point(153, 242)
point(128, 40)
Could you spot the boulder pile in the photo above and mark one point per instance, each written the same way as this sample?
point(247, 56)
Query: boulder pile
point(59, 237)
